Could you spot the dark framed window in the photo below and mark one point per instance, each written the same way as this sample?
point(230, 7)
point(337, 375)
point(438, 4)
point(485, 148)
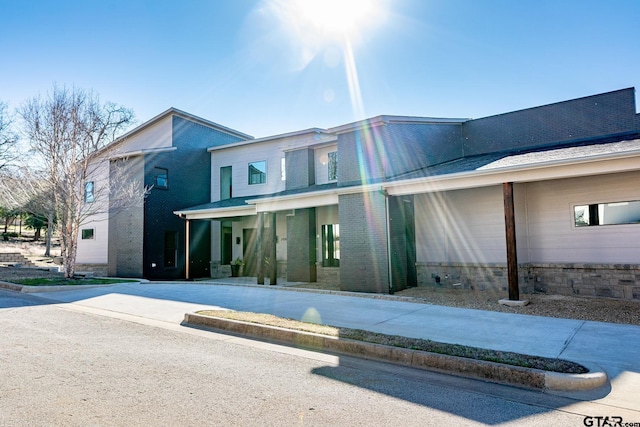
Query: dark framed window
point(331, 245)
point(226, 183)
point(614, 213)
point(258, 172)
point(89, 195)
point(170, 249)
point(333, 166)
point(87, 233)
point(226, 242)
point(161, 178)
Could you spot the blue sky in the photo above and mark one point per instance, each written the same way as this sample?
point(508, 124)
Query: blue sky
point(258, 67)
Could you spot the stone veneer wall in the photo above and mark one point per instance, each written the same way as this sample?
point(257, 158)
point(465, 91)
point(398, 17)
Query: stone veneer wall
point(96, 269)
point(620, 281)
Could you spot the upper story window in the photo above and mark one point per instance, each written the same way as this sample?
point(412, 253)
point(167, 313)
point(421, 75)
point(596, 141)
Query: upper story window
point(89, 188)
point(161, 178)
point(607, 213)
point(283, 169)
point(226, 182)
point(333, 165)
point(258, 172)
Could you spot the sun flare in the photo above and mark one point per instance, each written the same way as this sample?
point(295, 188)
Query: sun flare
point(336, 18)
point(320, 22)
point(329, 29)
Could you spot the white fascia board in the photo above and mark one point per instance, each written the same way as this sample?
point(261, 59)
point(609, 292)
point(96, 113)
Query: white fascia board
point(295, 201)
point(383, 120)
point(329, 140)
point(236, 211)
point(558, 169)
point(312, 131)
point(142, 152)
point(169, 112)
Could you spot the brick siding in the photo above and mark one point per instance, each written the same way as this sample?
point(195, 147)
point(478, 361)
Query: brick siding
point(364, 264)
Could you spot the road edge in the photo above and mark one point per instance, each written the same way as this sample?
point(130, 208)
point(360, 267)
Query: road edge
point(470, 368)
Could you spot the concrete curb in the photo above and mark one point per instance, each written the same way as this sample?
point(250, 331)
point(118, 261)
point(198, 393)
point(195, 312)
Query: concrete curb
point(470, 368)
point(26, 289)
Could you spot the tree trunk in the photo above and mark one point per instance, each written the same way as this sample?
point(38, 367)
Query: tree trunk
point(47, 251)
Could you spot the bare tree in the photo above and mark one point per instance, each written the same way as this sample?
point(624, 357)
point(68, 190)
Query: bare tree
point(8, 138)
point(25, 189)
point(64, 130)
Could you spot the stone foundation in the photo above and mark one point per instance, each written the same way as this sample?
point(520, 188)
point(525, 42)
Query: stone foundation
point(620, 281)
point(100, 270)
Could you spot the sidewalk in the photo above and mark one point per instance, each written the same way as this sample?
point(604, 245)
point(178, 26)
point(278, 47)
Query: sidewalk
point(613, 347)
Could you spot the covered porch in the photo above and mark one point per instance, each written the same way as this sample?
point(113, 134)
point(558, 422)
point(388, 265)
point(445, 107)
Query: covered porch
point(274, 238)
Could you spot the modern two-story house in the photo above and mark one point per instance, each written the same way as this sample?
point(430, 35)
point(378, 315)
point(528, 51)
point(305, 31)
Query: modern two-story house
point(392, 201)
point(384, 203)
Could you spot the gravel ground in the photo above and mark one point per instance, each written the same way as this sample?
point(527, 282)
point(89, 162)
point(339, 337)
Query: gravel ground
point(569, 307)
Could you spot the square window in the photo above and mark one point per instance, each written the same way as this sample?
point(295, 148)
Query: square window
point(88, 192)
point(258, 172)
point(161, 178)
point(87, 233)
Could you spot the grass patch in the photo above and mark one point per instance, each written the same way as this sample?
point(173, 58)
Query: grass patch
point(508, 358)
point(68, 282)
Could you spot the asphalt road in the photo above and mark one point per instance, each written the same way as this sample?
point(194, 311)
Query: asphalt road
point(61, 365)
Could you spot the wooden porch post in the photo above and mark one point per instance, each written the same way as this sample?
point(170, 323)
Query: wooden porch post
point(273, 262)
point(260, 248)
point(512, 253)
